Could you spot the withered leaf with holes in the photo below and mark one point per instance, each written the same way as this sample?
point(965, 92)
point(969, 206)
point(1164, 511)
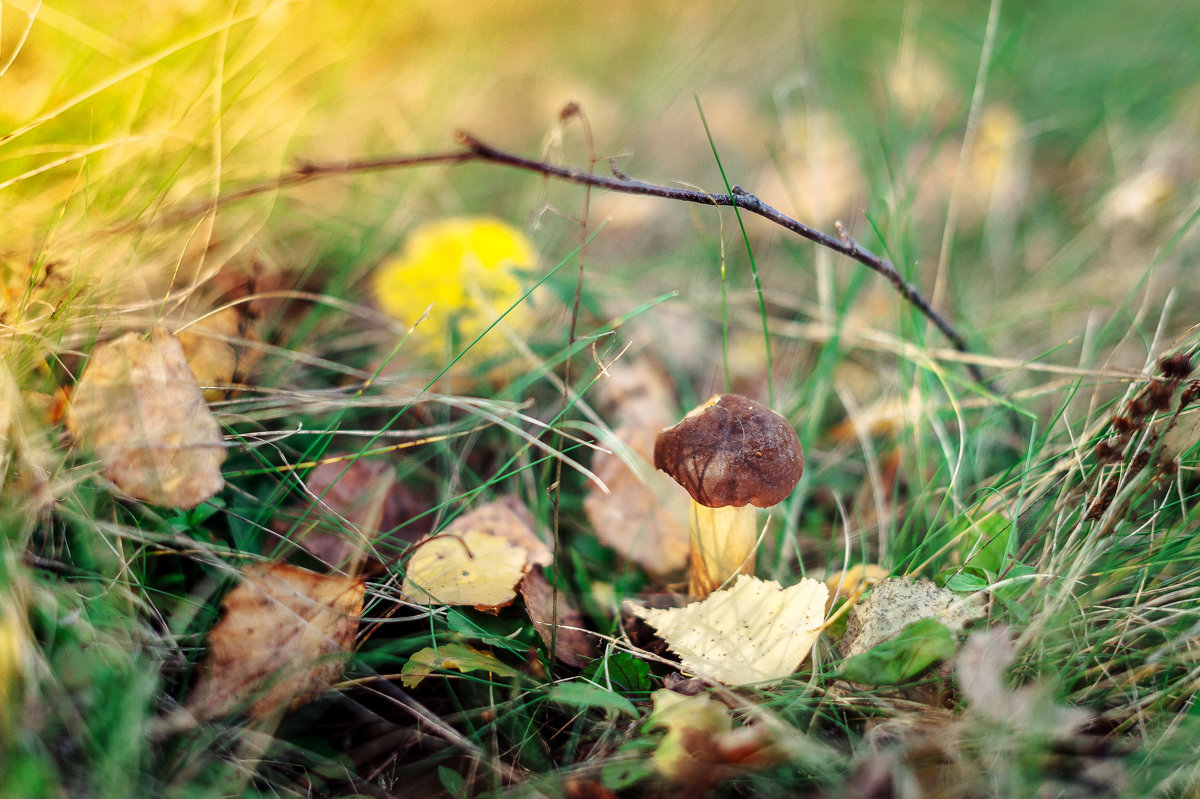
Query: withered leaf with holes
point(138, 407)
point(283, 639)
point(507, 518)
point(472, 568)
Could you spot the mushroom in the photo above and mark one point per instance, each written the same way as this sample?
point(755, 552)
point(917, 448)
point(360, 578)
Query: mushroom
point(732, 455)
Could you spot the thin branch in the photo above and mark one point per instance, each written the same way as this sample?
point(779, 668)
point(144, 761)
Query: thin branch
point(475, 150)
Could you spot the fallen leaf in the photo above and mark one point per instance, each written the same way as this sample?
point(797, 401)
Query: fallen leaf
point(644, 514)
point(752, 632)
point(222, 350)
point(851, 584)
point(282, 640)
point(507, 518)
point(636, 392)
point(470, 568)
point(702, 748)
point(903, 656)
point(897, 602)
point(460, 657)
point(572, 645)
point(356, 494)
point(582, 694)
point(139, 408)
point(981, 665)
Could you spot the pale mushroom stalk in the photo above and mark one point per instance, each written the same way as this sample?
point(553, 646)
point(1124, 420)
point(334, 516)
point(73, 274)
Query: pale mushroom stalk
point(732, 455)
point(722, 545)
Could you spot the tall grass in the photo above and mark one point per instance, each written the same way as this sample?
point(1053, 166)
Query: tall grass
point(1072, 246)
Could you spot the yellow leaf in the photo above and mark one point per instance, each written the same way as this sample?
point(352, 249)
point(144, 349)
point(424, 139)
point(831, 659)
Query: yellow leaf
point(468, 270)
point(472, 568)
point(282, 640)
point(507, 518)
point(702, 747)
point(851, 583)
point(752, 632)
point(139, 408)
point(685, 718)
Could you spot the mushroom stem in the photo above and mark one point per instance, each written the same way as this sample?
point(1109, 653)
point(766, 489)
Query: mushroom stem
point(722, 546)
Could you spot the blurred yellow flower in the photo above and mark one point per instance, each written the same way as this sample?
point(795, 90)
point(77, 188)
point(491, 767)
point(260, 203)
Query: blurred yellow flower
point(468, 269)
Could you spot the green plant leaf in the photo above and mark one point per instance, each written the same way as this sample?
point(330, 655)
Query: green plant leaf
point(624, 771)
point(452, 781)
point(966, 582)
point(503, 633)
point(988, 538)
point(621, 670)
point(460, 657)
point(584, 695)
point(911, 651)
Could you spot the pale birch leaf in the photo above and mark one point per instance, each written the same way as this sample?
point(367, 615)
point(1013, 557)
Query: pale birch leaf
point(752, 632)
point(138, 407)
point(471, 568)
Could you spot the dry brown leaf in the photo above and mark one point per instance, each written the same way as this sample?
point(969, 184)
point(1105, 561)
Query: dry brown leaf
point(222, 351)
point(357, 492)
point(508, 518)
point(282, 640)
point(471, 568)
point(644, 515)
point(637, 392)
point(572, 646)
point(752, 632)
point(139, 408)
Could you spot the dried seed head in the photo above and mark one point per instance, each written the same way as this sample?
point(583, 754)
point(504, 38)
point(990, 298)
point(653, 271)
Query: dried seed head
point(1177, 366)
point(1107, 452)
point(1123, 424)
point(1189, 395)
point(1159, 396)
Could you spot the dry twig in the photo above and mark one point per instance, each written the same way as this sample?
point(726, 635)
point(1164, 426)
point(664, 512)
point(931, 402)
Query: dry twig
point(474, 150)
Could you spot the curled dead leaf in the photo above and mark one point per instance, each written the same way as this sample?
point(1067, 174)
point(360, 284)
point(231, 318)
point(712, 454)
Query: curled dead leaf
point(282, 640)
point(702, 747)
point(899, 601)
point(981, 664)
point(138, 407)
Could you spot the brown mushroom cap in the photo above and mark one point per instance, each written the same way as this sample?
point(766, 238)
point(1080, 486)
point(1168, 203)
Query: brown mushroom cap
point(732, 451)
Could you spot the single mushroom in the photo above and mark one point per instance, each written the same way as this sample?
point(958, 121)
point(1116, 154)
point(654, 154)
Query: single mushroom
point(732, 455)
